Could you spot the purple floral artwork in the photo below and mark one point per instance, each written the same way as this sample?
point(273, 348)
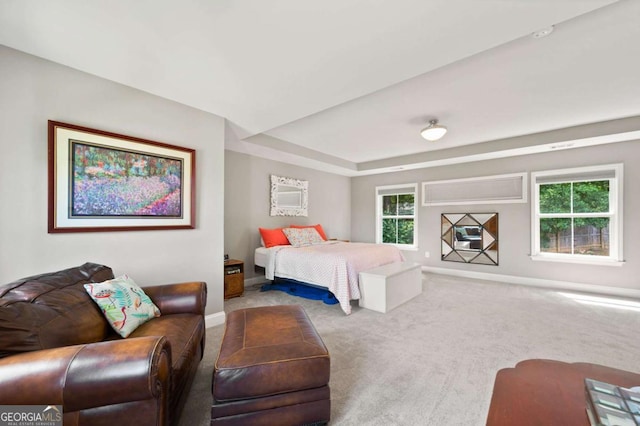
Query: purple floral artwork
point(108, 182)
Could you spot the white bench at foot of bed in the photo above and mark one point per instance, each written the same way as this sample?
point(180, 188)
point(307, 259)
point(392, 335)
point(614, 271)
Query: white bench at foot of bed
point(389, 286)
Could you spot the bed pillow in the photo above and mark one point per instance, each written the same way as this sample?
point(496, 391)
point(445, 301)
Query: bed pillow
point(299, 237)
point(273, 237)
point(123, 303)
point(317, 227)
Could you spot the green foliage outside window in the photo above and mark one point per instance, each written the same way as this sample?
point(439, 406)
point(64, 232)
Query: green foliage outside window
point(573, 234)
point(555, 198)
point(397, 228)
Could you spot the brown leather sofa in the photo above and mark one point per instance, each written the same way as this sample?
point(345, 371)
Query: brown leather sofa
point(56, 348)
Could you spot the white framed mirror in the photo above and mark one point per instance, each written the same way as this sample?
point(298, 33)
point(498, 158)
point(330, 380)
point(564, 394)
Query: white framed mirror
point(289, 197)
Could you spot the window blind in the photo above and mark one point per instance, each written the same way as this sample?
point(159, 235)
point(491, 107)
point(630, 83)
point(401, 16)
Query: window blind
point(482, 190)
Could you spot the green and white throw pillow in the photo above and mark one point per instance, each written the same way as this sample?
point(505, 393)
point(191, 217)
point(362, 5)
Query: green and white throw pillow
point(123, 303)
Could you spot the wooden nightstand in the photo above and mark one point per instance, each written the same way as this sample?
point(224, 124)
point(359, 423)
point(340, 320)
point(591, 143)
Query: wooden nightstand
point(233, 278)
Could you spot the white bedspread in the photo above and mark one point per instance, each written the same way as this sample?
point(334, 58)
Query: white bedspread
point(332, 264)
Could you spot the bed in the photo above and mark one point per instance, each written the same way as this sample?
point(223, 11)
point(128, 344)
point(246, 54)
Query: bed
point(331, 264)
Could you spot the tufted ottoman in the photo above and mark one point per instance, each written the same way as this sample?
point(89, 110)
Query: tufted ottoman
point(272, 369)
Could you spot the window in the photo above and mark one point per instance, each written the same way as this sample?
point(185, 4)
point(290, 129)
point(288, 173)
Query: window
point(510, 188)
point(577, 214)
point(396, 215)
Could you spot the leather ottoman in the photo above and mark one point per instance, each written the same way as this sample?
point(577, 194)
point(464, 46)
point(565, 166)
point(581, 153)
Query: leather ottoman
point(273, 368)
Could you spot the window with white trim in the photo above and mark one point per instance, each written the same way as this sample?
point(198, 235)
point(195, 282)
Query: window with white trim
point(577, 214)
point(396, 221)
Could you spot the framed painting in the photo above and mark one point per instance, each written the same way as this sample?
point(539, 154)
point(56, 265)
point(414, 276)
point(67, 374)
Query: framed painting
point(101, 181)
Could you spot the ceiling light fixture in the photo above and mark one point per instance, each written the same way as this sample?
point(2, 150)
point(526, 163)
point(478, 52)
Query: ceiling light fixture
point(433, 131)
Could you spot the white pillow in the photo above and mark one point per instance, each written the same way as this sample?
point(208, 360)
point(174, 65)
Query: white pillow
point(299, 237)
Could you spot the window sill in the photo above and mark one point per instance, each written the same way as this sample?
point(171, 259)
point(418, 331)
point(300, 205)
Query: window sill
point(583, 261)
point(403, 247)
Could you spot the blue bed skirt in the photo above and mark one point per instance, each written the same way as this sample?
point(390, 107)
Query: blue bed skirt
point(297, 288)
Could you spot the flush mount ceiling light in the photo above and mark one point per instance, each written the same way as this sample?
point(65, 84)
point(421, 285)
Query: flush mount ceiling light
point(433, 131)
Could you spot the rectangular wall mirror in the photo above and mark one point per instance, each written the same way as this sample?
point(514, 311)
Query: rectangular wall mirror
point(289, 197)
point(470, 237)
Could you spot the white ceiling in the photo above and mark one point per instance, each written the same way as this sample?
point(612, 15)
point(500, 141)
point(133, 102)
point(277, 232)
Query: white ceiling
point(346, 85)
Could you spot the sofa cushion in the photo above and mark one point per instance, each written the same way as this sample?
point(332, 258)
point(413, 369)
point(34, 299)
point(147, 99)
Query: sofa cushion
point(184, 333)
point(38, 312)
point(123, 303)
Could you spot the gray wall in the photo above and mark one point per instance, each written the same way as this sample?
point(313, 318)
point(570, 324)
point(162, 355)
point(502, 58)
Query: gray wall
point(34, 90)
point(514, 219)
point(247, 201)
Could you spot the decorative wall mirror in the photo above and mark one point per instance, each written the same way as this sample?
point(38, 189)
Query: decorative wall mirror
point(289, 197)
point(470, 237)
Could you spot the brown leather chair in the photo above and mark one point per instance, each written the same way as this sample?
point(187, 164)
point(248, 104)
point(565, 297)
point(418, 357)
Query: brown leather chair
point(548, 392)
point(56, 348)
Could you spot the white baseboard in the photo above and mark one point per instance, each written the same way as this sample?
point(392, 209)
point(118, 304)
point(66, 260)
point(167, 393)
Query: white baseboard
point(212, 320)
point(219, 318)
point(538, 282)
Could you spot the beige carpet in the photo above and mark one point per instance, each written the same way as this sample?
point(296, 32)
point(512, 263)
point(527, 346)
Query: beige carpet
point(433, 360)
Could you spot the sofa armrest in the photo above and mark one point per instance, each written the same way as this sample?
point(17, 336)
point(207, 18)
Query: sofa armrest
point(82, 377)
point(179, 298)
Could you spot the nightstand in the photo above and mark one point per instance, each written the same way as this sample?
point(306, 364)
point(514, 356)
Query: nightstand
point(233, 278)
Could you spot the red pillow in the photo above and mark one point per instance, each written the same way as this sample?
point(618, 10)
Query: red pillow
point(318, 228)
point(273, 237)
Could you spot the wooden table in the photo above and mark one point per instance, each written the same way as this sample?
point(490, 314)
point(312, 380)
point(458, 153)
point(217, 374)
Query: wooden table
point(544, 392)
point(233, 278)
